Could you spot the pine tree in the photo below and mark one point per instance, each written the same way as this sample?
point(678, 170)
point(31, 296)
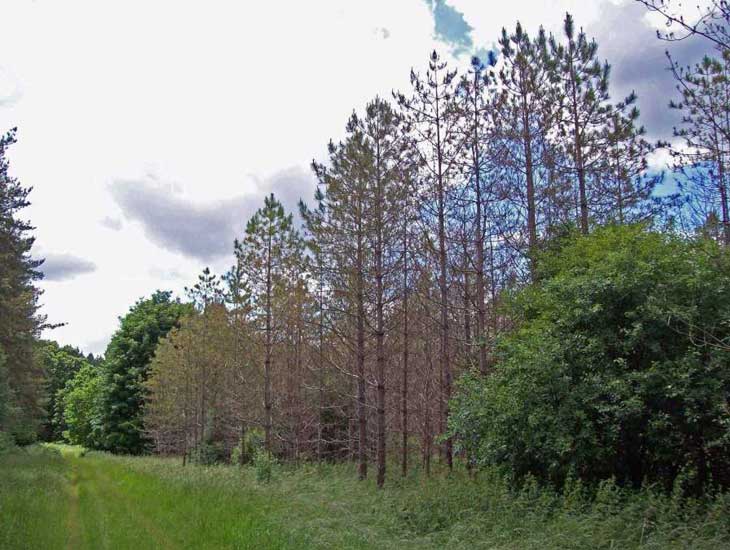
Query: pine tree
point(478, 93)
point(270, 257)
point(623, 189)
point(705, 131)
point(582, 93)
point(437, 140)
point(341, 234)
point(20, 321)
point(524, 118)
point(387, 190)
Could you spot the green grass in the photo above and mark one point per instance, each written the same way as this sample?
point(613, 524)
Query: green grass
point(58, 497)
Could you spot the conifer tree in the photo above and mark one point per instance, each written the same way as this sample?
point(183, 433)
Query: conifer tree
point(524, 118)
point(341, 233)
point(623, 188)
point(478, 93)
point(432, 115)
point(705, 131)
point(20, 321)
point(387, 190)
point(582, 94)
point(269, 255)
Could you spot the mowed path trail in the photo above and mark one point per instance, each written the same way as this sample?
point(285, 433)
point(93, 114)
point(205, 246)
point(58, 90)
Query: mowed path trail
point(58, 498)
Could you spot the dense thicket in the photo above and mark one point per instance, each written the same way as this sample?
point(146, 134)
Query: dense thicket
point(60, 365)
point(619, 366)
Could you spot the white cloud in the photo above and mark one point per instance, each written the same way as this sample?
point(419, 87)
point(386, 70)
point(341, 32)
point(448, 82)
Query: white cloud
point(218, 97)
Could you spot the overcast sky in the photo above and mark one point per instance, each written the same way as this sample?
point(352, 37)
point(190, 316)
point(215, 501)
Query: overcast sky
point(150, 130)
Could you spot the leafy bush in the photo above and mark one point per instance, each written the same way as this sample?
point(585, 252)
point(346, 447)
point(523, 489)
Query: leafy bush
point(263, 463)
point(7, 443)
point(619, 367)
point(208, 453)
point(244, 452)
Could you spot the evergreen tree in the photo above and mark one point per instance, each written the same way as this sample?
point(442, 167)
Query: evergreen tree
point(270, 257)
point(705, 130)
point(434, 120)
point(339, 228)
point(20, 322)
point(524, 118)
point(387, 191)
point(582, 94)
point(477, 91)
point(623, 189)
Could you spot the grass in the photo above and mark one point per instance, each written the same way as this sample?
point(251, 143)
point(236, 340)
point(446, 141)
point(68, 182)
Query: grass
point(58, 497)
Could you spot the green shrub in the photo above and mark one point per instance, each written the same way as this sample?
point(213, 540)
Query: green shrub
point(618, 368)
point(263, 463)
point(7, 443)
point(208, 453)
point(244, 451)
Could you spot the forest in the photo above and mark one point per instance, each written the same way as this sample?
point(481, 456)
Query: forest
point(497, 309)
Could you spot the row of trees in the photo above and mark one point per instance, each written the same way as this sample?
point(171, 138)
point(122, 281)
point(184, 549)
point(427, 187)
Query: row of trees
point(427, 212)
point(342, 338)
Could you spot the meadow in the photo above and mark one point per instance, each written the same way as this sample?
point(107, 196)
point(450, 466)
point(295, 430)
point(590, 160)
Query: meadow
point(57, 496)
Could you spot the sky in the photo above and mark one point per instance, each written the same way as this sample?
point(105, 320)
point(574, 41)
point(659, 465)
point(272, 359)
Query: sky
point(150, 131)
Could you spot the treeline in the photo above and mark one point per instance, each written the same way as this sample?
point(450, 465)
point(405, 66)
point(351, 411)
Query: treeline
point(343, 339)
point(500, 227)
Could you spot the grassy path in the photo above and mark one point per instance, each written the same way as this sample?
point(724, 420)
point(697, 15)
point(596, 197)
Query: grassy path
point(56, 498)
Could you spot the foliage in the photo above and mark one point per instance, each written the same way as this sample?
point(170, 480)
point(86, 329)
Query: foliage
point(702, 160)
point(619, 367)
point(250, 444)
point(20, 323)
point(7, 443)
point(208, 453)
point(160, 502)
point(126, 367)
point(270, 259)
point(264, 463)
point(199, 370)
point(5, 391)
point(79, 402)
point(60, 365)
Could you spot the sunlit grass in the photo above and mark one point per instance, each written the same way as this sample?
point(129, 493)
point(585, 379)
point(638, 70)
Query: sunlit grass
point(34, 499)
point(61, 497)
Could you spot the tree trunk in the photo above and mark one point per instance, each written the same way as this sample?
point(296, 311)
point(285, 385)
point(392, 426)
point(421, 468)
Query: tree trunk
point(361, 382)
point(530, 177)
point(723, 200)
point(479, 240)
point(404, 384)
point(380, 323)
point(443, 288)
point(267, 359)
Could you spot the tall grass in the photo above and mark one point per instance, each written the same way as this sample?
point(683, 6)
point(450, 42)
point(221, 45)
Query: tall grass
point(34, 498)
point(105, 501)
